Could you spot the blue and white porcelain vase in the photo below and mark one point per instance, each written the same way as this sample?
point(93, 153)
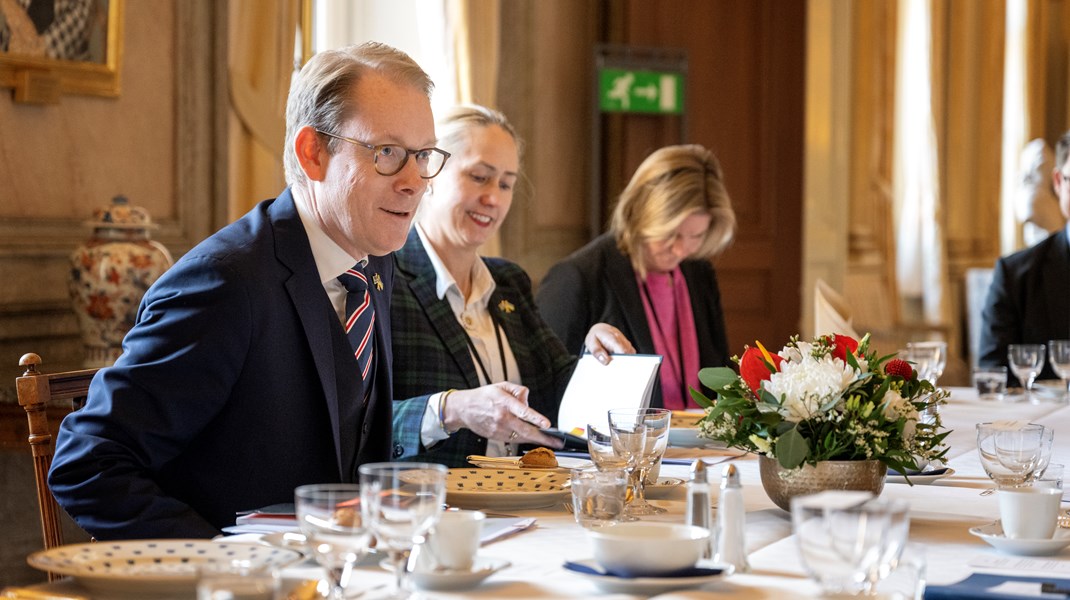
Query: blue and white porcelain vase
point(110, 273)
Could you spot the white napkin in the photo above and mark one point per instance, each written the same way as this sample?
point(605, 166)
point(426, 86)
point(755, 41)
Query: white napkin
point(495, 529)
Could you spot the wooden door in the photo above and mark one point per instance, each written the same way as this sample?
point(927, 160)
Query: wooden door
point(744, 101)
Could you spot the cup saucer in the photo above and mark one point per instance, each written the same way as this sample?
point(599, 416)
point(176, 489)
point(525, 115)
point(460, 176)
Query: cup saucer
point(591, 571)
point(449, 580)
point(993, 535)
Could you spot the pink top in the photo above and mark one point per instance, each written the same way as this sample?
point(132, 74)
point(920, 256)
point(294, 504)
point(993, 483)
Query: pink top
point(672, 326)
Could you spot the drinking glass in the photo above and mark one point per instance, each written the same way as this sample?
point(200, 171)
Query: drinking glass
point(330, 517)
point(1047, 438)
point(600, 447)
point(401, 502)
point(846, 546)
point(639, 437)
point(1026, 360)
point(931, 358)
point(1059, 357)
point(599, 495)
point(1010, 451)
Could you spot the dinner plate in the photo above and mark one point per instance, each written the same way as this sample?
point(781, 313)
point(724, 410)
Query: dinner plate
point(449, 580)
point(563, 462)
point(151, 568)
point(685, 419)
point(921, 478)
point(993, 534)
point(663, 487)
point(684, 431)
point(644, 586)
point(506, 489)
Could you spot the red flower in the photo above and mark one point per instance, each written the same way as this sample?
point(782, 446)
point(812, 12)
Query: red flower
point(841, 345)
point(754, 369)
point(899, 367)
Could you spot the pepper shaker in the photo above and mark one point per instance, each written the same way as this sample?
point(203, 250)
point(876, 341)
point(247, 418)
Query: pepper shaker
point(699, 509)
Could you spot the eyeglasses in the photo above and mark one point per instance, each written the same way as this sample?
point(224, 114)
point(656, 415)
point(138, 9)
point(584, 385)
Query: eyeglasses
point(391, 158)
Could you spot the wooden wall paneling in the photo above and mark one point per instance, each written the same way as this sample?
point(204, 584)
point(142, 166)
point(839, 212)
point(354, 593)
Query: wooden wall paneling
point(547, 41)
point(35, 241)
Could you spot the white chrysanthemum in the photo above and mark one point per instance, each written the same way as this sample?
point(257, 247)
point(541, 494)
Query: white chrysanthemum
point(805, 385)
point(895, 407)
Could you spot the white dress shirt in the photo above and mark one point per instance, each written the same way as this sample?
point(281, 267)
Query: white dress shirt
point(474, 317)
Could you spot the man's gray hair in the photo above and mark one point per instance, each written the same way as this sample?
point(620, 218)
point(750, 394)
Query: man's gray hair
point(320, 92)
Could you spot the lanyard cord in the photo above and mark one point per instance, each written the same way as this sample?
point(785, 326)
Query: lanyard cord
point(501, 351)
point(679, 362)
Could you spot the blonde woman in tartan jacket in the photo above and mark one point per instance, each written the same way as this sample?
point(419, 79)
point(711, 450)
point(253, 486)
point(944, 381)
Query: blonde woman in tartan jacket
point(476, 370)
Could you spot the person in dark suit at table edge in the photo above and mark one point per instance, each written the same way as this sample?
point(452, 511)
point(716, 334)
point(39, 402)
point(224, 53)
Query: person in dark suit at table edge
point(469, 322)
point(650, 275)
point(238, 381)
point(1029, 299)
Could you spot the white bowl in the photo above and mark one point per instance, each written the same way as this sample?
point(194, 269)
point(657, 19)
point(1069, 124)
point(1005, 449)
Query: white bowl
point(640, 549)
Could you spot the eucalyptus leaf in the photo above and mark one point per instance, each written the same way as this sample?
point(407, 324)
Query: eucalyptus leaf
point(717, 378)
point(792, 449)
point(700, 398)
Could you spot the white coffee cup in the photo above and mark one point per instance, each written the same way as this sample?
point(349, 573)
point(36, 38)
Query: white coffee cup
point(1029, 513)
point(455, 541)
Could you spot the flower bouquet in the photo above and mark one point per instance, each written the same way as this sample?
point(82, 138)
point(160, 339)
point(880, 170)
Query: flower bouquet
point(831, 399)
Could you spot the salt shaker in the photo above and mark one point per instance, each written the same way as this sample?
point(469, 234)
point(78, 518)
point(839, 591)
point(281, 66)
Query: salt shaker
point(698, 502)
point(731, 544)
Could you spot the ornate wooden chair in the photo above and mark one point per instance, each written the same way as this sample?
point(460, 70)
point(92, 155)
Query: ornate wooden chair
point(36, 391)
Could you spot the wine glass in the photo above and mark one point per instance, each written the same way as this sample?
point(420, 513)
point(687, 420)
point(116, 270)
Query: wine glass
point(1059, 357)
point(639, 437)
point(932, 358)
point(329, 515)
point(600, 447)
point(1010, 451)
point(401, 502)
point(1047, 438)
point(1026, 360)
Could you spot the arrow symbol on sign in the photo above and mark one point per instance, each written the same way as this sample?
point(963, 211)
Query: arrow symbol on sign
point(650, 92)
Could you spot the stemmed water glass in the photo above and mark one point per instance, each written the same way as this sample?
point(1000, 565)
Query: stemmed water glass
point(1059, 357)
point(1026, 360)
point(330, 517)
point(400, 503)
point(600, 447)
point(930, 358)
point(639, 436)
point(1047, 439)
point(1010, 452)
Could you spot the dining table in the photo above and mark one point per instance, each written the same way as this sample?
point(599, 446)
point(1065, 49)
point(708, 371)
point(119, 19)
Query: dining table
point(942, 511)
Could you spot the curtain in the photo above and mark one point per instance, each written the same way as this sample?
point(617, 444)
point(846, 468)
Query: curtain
point(262, 34)
point(474, 29)
point(921, 271)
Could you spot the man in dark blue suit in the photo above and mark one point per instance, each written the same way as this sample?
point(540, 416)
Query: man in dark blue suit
point(238, 381)
point(1029, 300)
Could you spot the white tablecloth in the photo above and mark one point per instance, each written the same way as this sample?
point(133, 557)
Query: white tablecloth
point(941, 514)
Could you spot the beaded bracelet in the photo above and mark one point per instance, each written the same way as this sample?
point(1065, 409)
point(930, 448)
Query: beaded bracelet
point(442, 411)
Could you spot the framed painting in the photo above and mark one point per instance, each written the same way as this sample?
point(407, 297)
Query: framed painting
point(54, 47)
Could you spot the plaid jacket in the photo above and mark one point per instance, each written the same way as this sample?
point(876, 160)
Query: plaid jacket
point(431, 354)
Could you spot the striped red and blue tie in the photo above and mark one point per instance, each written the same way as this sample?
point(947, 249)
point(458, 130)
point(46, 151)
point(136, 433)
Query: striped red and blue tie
point(360, 321)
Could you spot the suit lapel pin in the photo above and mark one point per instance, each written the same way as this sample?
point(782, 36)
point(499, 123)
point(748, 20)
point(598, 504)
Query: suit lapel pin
point(506, 306)
point(378, 282)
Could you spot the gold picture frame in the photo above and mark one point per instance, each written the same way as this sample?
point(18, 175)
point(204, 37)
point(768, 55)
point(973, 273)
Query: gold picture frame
point(39, 79)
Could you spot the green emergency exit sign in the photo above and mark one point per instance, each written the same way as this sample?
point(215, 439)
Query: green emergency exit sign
point(626, 90)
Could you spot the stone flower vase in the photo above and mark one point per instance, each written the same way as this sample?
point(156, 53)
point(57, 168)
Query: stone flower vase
point(784, 484)
point(110, 273)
